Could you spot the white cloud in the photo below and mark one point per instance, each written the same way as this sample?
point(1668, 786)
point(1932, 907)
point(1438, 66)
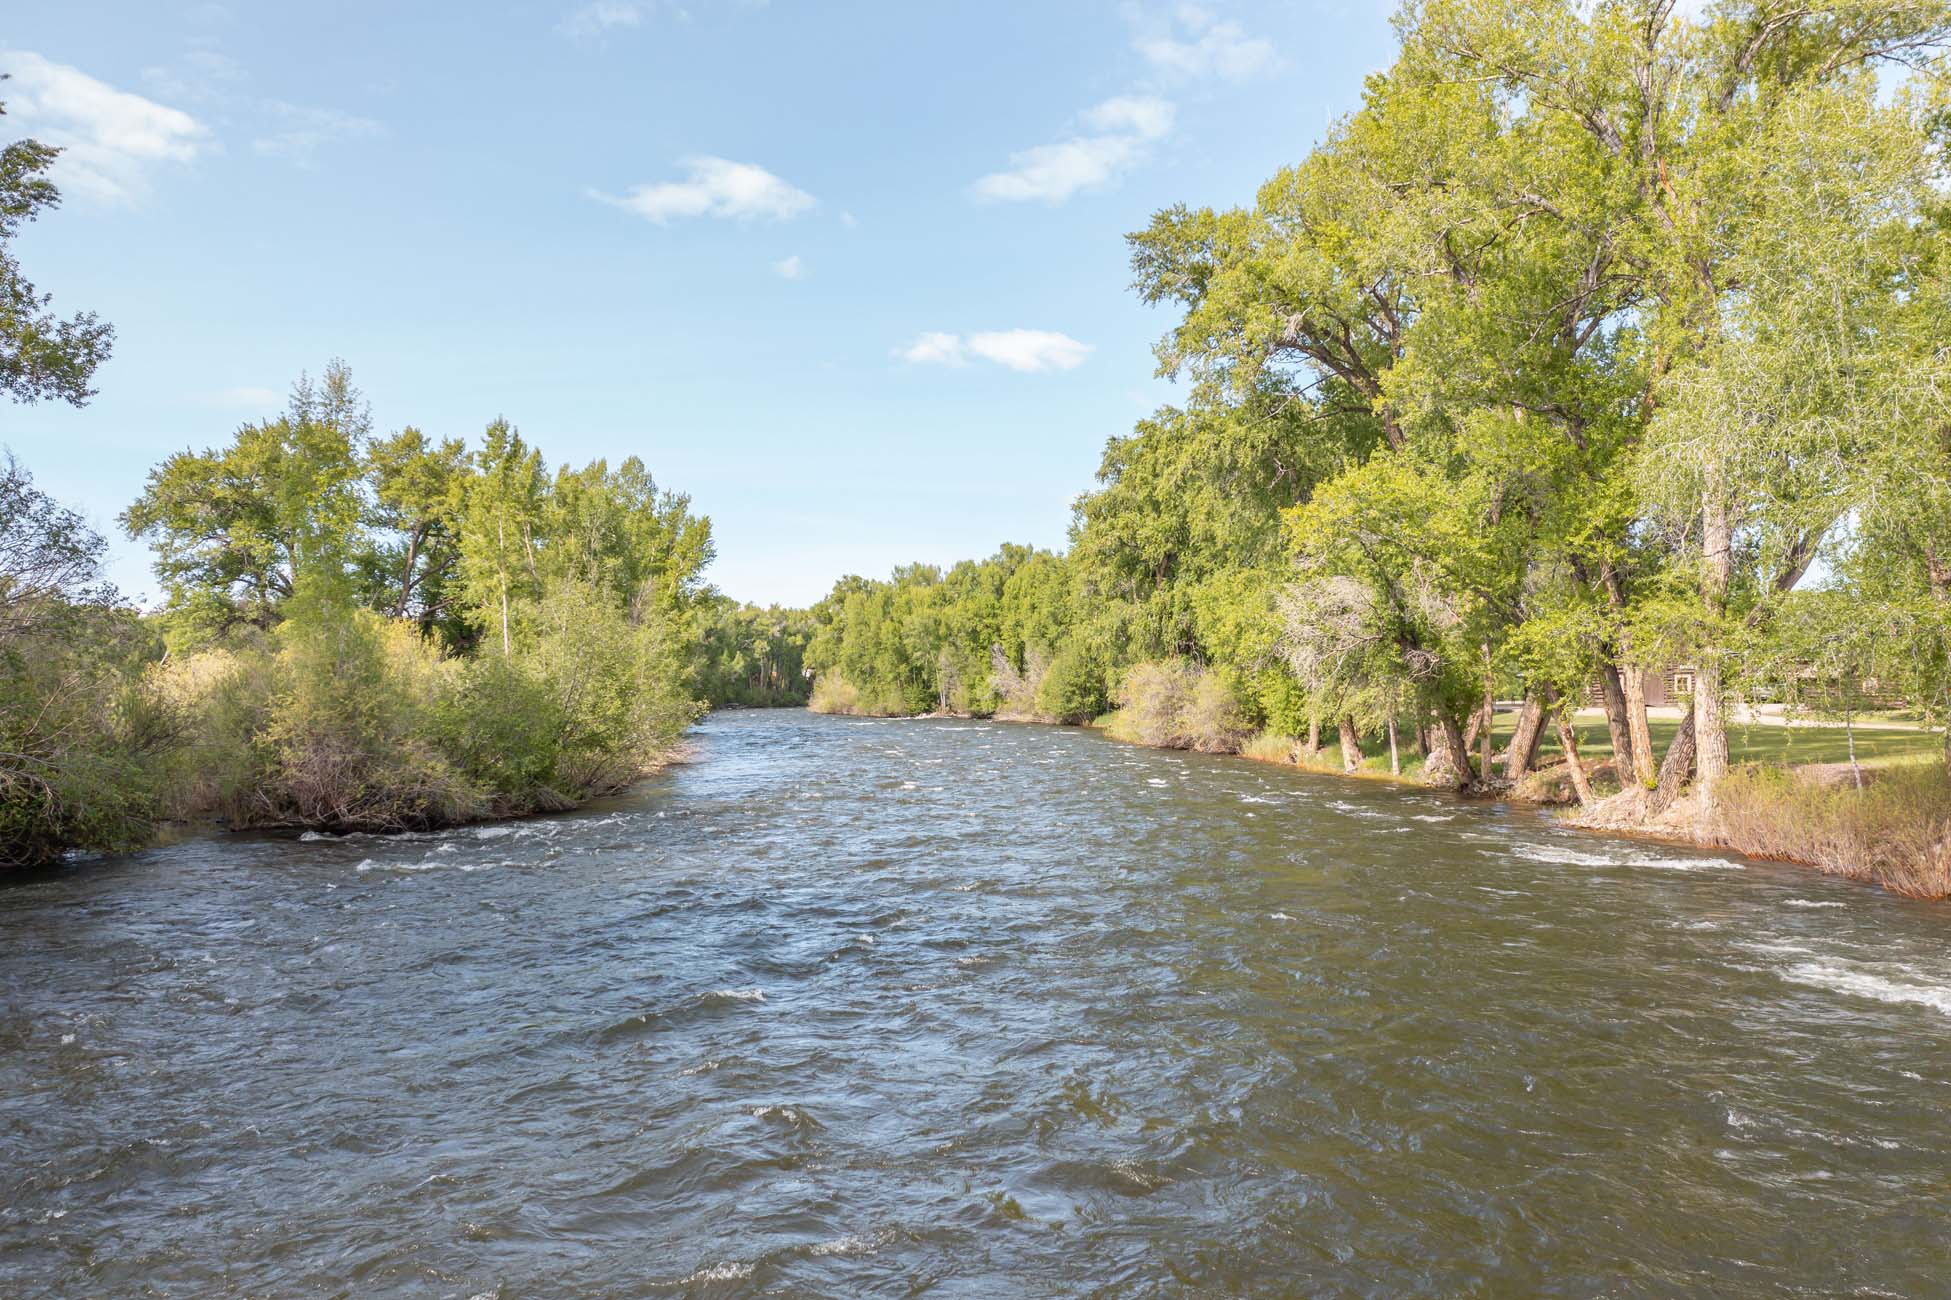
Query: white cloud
point(110, 138)
point(1196, 44)
point(715, 187)
point(296, 131)
point(849, 220)
point(1140, 115)
point(790, 268)
point(1125, 127)
point(1028, 351)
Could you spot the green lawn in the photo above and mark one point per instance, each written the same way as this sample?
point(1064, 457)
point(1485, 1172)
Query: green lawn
point(1758, 744)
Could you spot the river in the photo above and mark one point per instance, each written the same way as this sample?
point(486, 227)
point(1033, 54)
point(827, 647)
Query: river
point(852, 1007)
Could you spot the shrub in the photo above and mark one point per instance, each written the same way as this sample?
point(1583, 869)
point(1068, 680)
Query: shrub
point(1212, 721)
point(1072, 689)
point(87, 748)
point(1174, 704)
point(355, 722)
point(1016, 693)
point(833, 693)
point(335, 729)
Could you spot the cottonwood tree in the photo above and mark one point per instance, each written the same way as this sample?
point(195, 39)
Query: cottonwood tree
point(42, 356)
point(235, 530)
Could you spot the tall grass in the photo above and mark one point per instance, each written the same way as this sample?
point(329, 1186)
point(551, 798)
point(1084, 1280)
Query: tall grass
point(1895, 831)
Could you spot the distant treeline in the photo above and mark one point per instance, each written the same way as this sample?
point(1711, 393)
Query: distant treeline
point(1571, 355)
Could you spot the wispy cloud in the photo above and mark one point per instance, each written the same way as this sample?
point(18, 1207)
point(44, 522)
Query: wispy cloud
point(111, 139)
point(599, 16)
point(202, 75)
point(790, 268)
point(1195, 43)
point(1120, 134)
point(714, 187)
point(935, 348)
point(296, 131)
point(1029, 351)
point(206, 76)
point(596, 18)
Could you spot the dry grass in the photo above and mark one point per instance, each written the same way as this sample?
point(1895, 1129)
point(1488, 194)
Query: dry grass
point(1895, 831)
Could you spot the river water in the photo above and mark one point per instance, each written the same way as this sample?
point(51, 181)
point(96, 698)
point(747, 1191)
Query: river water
point(852, 1007)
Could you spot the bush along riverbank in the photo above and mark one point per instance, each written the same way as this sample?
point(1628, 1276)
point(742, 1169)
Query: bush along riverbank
point(360, 633)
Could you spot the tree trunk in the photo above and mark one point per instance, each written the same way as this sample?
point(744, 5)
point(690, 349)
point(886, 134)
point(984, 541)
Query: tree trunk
point(1449, 761)
point(1569, 740)
point(1633, 678)
point(1849, 729)
point(1710, 721)
point(1395, 755)
point(1675, 768)
point(1351, 746)
point(1472, 729)
point(1313, 736)
point(1523, 753)
point(1614, 693)
point(1633, 684)
point(501, 566)
point(406, 572)
point(1490, 720)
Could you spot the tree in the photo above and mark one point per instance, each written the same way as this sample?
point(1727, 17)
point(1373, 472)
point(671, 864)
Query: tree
point(418, 489)
point(41, 355)
point(499, 525)
point(235, 530)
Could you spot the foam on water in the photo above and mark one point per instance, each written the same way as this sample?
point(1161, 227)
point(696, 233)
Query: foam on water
point(1868, 981)
point(1624, 856)
point(730, 1271)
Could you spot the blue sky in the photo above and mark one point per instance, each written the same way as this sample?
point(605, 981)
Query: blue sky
point(850, 274)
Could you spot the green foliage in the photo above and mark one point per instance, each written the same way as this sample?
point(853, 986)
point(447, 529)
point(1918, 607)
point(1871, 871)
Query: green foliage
point(86, 748)
point(753, 657)
point(385, 633)
point(41, 355)
point(1072, 687)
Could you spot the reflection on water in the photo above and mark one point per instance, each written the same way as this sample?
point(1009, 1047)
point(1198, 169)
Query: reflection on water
point(853, 1007)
